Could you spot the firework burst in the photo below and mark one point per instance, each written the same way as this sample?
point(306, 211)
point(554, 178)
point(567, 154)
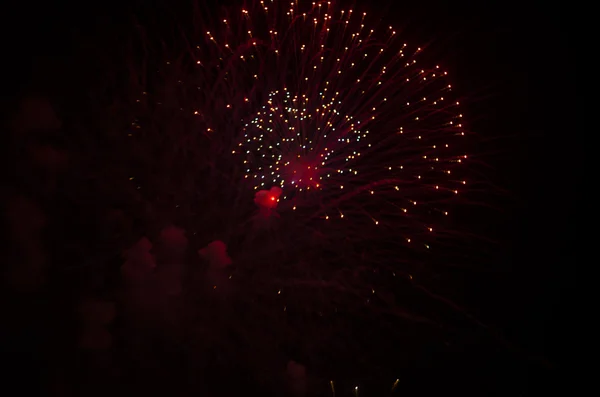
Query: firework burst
point(324, 119)
point(344, 120)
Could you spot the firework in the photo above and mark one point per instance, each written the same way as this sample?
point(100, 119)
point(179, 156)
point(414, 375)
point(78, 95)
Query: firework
point(314, 121)
point(343, 119)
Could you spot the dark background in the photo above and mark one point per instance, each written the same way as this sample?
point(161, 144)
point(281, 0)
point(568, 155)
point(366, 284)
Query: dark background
point(512, 61)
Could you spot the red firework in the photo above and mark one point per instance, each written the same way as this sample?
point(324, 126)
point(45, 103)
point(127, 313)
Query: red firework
point(325, 121)
point(344, 118)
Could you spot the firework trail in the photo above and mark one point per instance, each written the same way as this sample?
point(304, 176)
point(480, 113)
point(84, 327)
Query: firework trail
point(320, 139)
point(346, 124)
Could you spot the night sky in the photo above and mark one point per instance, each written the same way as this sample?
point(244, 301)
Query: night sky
point(514, 64)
